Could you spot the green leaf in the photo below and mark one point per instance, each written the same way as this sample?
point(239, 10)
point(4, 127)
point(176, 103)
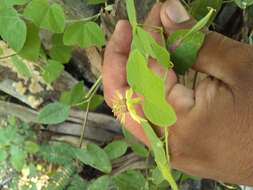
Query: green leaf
point(146, 44)
point(116, 149)
point(3, 155)
point(16, 2)
point(18, 158)
point(54, 113)
point(74, 96)
point(55, 150)
point(131, 12)
point(95, 2)
point(84, 34)
point(160, 156)
point(189, 48)
point(137, 147)
point(50, 17)
point(142, 79)
point(21, 67)
point(14, 30)
point(156, 176)
point(7, 135)
point(243, 4)
point(31, 147)
point(59, 51)
point(52, 70)
point(77, 183)
point(102, 183)
point(95, 102)
point(131, 179)
point(199, 8)
point(31, 49)
point(95, 157)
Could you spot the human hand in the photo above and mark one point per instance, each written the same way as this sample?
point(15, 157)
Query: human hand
point(212, 137)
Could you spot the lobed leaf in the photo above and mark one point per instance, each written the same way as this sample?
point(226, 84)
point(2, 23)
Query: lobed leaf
point(52, 70)
point(45, 15)
point(84, 34)
point(60, 52)
point(14, 30)
point(142, 80)
point(146, 44)
point(31, 49)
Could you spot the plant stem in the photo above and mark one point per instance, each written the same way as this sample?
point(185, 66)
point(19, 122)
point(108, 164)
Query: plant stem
point(88, 98)
point(8, 56)
point(94, 17)
point(86, 114)
point(91, 92)
point(166, 132)
point(94, 87)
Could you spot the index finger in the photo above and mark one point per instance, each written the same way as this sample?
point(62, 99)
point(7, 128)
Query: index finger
point(115, 59)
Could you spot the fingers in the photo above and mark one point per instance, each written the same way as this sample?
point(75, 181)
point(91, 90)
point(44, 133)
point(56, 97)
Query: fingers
point(217, 56)
point(114, 72)
point(115, 59)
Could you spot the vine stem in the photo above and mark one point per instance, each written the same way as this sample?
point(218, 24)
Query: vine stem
point(91, 92)
point(166, 132)
point(169, 175)
point(88, 98)
point(8, 56)
point(86, 114)
point(94, 17)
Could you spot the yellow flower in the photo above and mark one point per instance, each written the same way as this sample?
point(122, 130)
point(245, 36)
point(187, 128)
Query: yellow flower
point(121, 105)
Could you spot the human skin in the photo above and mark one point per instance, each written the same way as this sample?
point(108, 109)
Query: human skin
point(213, 135)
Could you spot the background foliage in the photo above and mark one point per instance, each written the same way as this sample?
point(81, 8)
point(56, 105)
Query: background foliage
point(38, 39)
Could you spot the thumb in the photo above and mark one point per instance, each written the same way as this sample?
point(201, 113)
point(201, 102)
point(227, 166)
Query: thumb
point(217, 55)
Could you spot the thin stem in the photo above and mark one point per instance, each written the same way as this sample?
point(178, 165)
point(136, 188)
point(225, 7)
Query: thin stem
point(94, 17)
point(88, 98)
point(94, 87)
point(166, 132)
point(91, 92)
point(8, 56)
point(86, 114)
point(228, 1)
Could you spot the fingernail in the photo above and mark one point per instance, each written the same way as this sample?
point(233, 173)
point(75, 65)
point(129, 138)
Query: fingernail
point(176, 11)
point(119, 25)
